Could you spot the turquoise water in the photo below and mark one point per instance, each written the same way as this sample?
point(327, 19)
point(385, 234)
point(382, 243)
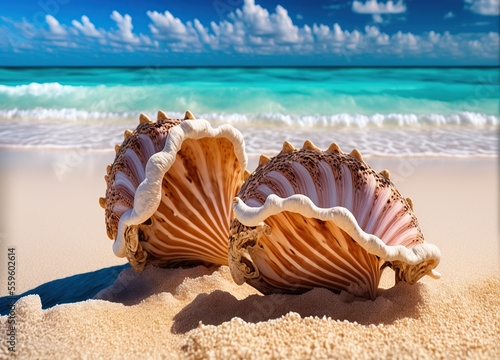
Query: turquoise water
point(290, 91)
point(59, 102)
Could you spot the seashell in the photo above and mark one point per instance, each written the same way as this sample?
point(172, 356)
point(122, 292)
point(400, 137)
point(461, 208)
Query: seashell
point(310, 218)
point(170, 190)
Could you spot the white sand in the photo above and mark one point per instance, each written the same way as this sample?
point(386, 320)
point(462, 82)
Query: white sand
point(156, 314)
point(50, 212)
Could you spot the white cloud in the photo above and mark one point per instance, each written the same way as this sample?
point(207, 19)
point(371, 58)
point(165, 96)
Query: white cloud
point(166, 25)
point(54, 27)
point(176, 35)
point(278, 27)
point(86, 27)
point(28, 30)
point(255, 17)
point(85, 35)
point(483, 7)
point(202, 31)
point(449, 15)
point(124, 32)
point(253, 29)
point(374, 7)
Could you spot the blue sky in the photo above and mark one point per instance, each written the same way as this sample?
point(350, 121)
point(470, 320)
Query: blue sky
point(249, 32)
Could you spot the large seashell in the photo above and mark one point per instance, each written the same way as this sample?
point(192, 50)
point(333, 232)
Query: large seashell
point(170, 190)
point(309, 218)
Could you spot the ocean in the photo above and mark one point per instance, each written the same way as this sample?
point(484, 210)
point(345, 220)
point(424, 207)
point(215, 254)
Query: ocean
point(450, 112)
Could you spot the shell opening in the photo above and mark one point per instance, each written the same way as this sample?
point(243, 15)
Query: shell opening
point(345, 256)
point(191, 222)
point(169, 197)
point(299, 253)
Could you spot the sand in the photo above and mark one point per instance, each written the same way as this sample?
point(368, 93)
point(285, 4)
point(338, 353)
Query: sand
point(201, 313)
point(51, 214)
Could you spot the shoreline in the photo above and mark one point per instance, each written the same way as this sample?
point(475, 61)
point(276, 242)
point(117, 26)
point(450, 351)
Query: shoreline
point(367, 156)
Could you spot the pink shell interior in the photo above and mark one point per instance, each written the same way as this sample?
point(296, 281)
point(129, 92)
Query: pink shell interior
point(192, 221)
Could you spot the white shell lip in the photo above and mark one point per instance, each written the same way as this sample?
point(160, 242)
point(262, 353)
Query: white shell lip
point(343, 218)
point(148, 194)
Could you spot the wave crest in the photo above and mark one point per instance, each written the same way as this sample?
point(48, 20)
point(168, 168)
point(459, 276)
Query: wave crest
point(275, 119)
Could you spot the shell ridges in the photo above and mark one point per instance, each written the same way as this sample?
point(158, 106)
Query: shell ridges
point(127, 134)
point(102, 202)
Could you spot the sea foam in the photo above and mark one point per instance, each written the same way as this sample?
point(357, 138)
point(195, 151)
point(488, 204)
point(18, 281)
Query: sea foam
point(476, 137)
point(275, 119)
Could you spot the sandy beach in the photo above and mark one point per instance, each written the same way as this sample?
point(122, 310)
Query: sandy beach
point(50, 213)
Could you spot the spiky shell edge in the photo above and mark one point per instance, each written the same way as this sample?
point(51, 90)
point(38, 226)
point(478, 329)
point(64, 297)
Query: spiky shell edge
point(148, 194)
point(410, 264)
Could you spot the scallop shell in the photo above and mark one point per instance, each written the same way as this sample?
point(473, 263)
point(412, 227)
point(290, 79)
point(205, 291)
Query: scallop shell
point(310, 218)
point(170, 190)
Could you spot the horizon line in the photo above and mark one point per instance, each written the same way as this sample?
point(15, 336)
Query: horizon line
point(246, 66)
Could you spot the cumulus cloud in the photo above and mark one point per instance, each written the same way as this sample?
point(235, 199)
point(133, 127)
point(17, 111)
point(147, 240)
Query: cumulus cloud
point(374, 7)
point(85, 35)
point(86, 27)
point(483, 7)
point(124, 32)
point(166, 25)
point(55, 27)
point(257, 22)
point(179, 36)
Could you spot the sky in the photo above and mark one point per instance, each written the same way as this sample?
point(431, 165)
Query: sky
point(249, 32)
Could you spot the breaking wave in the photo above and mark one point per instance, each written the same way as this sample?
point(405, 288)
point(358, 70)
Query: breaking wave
point(274, 119)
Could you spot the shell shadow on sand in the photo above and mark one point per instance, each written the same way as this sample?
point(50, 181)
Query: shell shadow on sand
point(70, 289)
point(402, 301)
point(131, 287)
point(212, 298)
